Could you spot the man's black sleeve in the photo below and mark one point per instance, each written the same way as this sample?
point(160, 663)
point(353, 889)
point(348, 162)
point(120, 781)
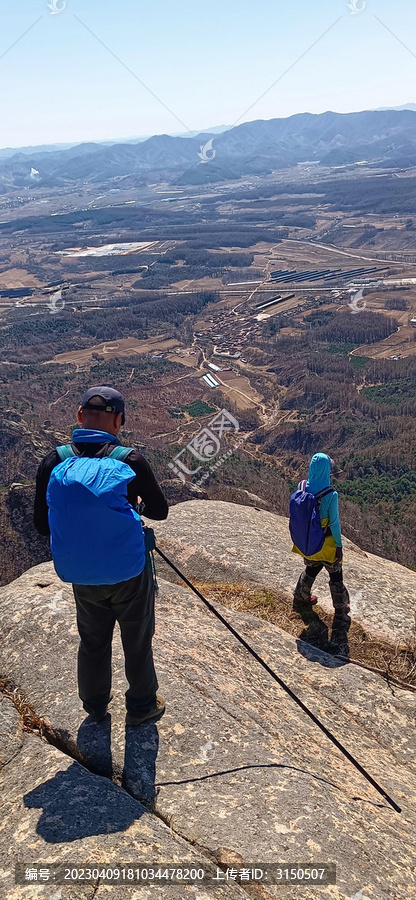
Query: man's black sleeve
point(144, 485)
point(40, 514)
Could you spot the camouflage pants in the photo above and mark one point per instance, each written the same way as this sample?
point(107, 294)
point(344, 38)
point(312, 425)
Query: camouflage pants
point(339, 593)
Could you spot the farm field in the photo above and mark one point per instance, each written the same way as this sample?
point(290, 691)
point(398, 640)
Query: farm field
point(112, 349)
point(239, 390)
point(400, 344)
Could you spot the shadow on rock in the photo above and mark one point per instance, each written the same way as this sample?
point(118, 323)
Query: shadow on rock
point(316, 635)
point(139, 772)
point(323, 657)
point(94, 742)
point(77, 804)
point(316, 631)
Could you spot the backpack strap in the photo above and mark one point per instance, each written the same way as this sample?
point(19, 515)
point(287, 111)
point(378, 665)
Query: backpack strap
point(150, 546)
point(302, 485)
point(65, 451)
point(323, 493)
point(119, 452)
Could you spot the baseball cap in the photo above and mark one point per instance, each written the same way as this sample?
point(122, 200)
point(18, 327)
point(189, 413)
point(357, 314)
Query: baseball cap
point(114, 401)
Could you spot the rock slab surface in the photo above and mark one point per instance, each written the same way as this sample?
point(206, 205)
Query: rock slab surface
point(55, 812)
point(235, 769)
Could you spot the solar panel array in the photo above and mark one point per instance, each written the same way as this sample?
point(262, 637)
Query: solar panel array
point(287, 276)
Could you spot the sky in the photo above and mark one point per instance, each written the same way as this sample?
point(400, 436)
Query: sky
point(91, 70)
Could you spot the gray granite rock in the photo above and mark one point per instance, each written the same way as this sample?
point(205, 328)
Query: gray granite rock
point(218, 541)
point(234, 767)
point(56, 813)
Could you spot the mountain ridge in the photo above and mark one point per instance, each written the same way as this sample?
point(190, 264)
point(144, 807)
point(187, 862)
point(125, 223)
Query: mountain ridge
point(251, 147)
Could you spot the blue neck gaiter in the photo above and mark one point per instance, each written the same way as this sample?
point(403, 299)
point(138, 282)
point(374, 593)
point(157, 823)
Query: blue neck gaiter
point(92, 436)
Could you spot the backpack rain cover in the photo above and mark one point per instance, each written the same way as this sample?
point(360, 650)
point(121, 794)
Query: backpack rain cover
point(96, 535)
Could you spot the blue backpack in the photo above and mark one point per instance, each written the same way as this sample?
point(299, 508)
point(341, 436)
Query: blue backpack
point(96, 535)
point(305, 521)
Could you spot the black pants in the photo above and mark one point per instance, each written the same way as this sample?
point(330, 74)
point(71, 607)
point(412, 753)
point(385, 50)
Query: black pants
point(334, 570)
point(131, 604)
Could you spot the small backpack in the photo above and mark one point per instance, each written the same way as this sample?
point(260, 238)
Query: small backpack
point(305, 521)
point(96, 535)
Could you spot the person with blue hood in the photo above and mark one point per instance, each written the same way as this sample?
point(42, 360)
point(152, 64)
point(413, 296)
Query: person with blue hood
point(330, 555)
point(86, 500)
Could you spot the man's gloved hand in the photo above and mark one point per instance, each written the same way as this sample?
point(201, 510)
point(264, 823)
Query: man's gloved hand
point(338, 554)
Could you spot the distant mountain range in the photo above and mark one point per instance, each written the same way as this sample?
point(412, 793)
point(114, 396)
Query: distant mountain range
point(379, 137)
point(7, 152)
point(405, 106)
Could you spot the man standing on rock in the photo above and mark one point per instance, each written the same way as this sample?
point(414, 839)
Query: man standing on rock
point(330, 553)
point(86, 498)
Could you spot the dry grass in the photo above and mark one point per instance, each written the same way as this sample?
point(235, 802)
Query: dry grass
point(31, 720)
point(316, 627)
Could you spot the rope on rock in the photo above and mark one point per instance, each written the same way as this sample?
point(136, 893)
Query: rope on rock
point(282, 684)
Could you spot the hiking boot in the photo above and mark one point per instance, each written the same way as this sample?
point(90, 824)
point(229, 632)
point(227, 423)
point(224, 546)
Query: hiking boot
point(311, 601)
point(340, 598)
point(342, 610)
point(302, 592)
point(155, 713)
